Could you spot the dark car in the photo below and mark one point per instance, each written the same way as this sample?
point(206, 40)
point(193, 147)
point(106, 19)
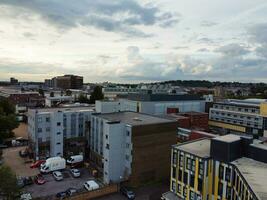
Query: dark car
point(27, 181)
point(61, 195)
point(71, 191)
point(23, 153)
point(127, 192)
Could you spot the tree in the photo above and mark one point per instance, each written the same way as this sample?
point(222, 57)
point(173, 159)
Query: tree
point(8, 184)
point(83, 99)
point(8, 120)
point(68, 93)
point(52, 94)
point(41, 92)
point(97, 94)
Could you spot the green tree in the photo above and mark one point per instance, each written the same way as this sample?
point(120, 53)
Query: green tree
point(8, 120)
point(97, 94)
point(8, 183)
point(83, 99)
point(68, 93)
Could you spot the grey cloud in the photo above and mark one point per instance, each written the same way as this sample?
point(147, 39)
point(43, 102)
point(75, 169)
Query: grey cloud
point(114, 16)
point(29, 35)
point(233, 50)
point(208, 23)
point(203, 50)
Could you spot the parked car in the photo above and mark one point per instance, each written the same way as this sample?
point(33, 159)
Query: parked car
point(39, 180)
point(58, 175)
point(23, 153)
point(37, 163)
point(127, 192)
point(27, 180)
point(75, 159)
point(61, 195)
point(75, 173)
point(90, 185)
point(20, 182)
point(25, 196)
point(71, 191)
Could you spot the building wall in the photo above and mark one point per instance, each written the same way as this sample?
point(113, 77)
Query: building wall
point(50, 129)
point(237, 118)
point(151, 152)
point(193, 177)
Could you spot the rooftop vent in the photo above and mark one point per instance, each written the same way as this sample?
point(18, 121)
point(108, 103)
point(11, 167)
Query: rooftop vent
point(137, 119)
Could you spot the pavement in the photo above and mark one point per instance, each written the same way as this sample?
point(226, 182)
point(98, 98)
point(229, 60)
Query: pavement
point(52, 187)
point(21, 131)
point(12, 159)
point(152, 192)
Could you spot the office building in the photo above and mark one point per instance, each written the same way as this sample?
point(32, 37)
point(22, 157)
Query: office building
point(65, 82)
point(131, 147)
point(228, 167)
point(155, 104)
point(13, 81)
point(58, 131)
point(239, 116)
point(57, 100)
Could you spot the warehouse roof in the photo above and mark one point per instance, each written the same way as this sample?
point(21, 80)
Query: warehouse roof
point(133, 118)
point(163, 97)
point(255, 174)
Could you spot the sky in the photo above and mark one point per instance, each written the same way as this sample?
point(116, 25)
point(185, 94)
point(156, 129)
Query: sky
point(131, 41)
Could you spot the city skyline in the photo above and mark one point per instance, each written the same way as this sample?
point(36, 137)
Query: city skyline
point(134, 41)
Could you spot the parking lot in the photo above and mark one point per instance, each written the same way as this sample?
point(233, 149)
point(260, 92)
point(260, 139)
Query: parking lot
point(52, 187)
point(16, 163)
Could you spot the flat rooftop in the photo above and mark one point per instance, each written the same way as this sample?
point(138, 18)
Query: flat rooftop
point(133, 118)
point(64, 109)
point(163, 97)
point(228, 138)
point(255, 173)
point(200, 148)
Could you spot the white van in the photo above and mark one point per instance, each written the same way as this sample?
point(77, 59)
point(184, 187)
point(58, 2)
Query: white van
point(75, 159)
point(91, 185)
point(53, 164)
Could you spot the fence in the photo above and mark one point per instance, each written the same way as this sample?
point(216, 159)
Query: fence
point(109, 189)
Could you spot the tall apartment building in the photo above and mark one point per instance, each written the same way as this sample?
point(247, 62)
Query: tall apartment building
point(58, 131)
point(239, 116)
point(133, 147)
point(156, 104)
point(229, 167)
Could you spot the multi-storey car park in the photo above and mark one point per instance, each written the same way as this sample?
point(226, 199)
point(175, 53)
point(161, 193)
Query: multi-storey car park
point(228, 167)
point(239, 116)
point(58, 131)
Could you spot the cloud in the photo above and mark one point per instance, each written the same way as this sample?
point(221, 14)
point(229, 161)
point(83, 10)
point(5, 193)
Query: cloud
point(208, 23)
point(121, 16)
point(233, 50)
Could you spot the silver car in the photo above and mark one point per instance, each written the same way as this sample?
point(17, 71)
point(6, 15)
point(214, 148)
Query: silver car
point(75, 173)
point(57, 175)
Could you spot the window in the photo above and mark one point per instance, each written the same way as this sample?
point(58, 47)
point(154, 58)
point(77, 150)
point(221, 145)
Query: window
point(192, 181)
point(58, 133)
point(174, 172)
point(107, 146)
point(127, 145)
point(47, 119)
point(127, 133)
point(58, 124)
point(174, 158)
point(220, 189)
point(39, 130)
point(47, 129)
point(39, 119)
point(127, 157)
point(188, 163)
point(228, 174)
point(181, 160)
point(106, 136)
point(58, 143)
point(185, 178)
point(221, 171)
point(173, 187)
point(201, 168)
